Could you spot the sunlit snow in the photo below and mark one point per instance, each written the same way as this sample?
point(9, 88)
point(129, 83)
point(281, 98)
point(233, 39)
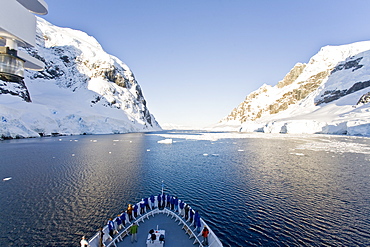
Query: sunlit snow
point(75, 93)
point(335, 70)
point(311, 142)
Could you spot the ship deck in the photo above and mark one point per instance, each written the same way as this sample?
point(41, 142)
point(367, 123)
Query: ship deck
point(175, 236)
point(178, 232)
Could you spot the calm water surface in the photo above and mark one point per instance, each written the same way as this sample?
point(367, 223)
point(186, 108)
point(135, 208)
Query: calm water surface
point(276, 191)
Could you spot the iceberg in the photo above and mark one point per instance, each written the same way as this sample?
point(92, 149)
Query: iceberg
point(165, 141)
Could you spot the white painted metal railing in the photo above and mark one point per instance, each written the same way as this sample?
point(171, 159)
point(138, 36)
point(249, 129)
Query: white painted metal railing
point(213, 240)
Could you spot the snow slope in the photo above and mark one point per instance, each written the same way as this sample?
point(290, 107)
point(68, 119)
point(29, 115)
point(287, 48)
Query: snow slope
point(83, 90)
point(327, 95)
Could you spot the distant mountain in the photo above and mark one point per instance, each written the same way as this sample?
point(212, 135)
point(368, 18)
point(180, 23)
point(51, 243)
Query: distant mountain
point(329, 95)
point(83, 90)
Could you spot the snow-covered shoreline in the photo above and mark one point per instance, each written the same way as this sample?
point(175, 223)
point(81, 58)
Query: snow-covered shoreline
point(328, 95)
point(82, 90)
point(314, 142)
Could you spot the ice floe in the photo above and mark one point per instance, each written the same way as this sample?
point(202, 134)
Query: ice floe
point(165, 141)
point(314, 142)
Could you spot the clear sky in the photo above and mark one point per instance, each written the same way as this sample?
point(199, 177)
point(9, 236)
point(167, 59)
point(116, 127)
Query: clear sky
point(196, 60)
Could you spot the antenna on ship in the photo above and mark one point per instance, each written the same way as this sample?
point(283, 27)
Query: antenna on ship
point(162, 187)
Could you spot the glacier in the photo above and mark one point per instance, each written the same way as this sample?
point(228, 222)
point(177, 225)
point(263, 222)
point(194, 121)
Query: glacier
point(328, 95)
point(82, 90)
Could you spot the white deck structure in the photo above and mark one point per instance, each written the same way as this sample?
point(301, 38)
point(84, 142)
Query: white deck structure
point(18, 29)
point(178, 231)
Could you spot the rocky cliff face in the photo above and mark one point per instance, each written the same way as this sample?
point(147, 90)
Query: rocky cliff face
point(90, 91)
point(15, 88)
point(334, 73)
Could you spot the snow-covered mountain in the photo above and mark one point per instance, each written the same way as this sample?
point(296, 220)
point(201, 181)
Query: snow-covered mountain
point(329, 95)
point(83, 90)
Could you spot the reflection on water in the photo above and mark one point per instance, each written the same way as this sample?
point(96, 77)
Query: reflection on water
point(252, 191)
point(59, 185)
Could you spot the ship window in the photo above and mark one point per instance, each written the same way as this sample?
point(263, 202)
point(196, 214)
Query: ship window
point(11, 65)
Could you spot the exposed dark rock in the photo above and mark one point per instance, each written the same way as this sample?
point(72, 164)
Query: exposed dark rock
point(148, 117)
point(292, 75)
point(351, 64)
point(330, 96)
point(364, 99)
point(16, 88)
point(358, 86)
point(65, 59)
point(97, 99)
point(296, 95)
point(114, 76)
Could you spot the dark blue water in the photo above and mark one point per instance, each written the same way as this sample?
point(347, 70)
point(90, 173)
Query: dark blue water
point(252, 191)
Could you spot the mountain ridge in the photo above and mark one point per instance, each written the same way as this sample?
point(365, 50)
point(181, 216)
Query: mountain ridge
point(82, 90)
point(336, 75)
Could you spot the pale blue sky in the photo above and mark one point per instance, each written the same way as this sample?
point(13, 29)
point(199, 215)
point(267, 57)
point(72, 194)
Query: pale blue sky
point(196, 60)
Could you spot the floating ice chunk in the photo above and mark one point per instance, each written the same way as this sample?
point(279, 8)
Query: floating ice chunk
point(301, 154)
point(165, 141)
